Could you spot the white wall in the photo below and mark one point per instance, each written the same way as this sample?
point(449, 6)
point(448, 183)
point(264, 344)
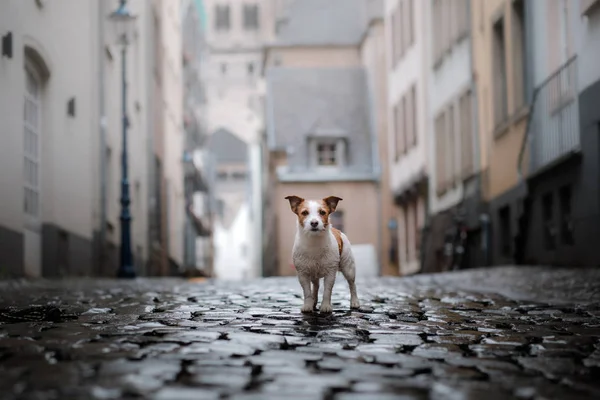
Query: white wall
point(172, 89)
point(67, 149)
point(66, 146)
point(448, 81)
point(584, 31)
point(411, 68)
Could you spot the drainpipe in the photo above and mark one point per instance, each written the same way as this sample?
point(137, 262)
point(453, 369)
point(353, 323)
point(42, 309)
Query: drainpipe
point(102, 114)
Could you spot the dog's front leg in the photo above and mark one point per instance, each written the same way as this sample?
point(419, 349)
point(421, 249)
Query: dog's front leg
point(315, 293)
point(328, 282)
point(308, 300)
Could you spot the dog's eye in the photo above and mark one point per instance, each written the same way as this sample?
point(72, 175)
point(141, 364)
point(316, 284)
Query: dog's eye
point(305, 213)
point(322, 212)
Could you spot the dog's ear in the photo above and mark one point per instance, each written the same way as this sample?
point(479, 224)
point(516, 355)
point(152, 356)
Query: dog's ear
point(295, 202)
point(331, 202)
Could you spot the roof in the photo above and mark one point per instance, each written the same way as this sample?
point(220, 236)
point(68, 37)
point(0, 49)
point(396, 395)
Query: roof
point(227, 147)
point(303, 103)
point(309, 23)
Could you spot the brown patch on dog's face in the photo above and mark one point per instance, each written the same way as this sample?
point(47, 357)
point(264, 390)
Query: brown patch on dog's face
point(313, 215)
point(323, 211)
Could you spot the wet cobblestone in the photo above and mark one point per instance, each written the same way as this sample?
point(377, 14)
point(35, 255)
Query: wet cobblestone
point(495, 333)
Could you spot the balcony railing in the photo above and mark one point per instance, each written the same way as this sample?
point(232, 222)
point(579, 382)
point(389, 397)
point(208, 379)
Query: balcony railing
point(553, 124)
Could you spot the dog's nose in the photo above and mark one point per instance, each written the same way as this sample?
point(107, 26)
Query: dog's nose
point(314, 224)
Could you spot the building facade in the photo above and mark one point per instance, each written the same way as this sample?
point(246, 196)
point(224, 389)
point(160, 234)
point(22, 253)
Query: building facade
point(407, 44)
point(47, 154)
point(454, 182)
point(235, 34)
point(322, 87)
point(232, 239)
point(61, 195)
point(197, 183)
point(559, 158)
point(503, 98)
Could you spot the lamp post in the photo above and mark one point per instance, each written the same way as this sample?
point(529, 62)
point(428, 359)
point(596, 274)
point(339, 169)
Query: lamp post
point(123, 21)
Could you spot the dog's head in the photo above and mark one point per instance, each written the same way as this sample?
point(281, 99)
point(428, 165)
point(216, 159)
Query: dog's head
point(313, 215)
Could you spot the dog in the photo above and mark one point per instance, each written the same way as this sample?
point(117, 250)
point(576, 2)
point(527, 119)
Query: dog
point(320, 251)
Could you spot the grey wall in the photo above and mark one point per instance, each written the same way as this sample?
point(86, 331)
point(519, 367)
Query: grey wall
point(11, 253)
point(583, 174)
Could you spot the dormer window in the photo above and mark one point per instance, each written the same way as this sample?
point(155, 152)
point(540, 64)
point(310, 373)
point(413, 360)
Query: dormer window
point(327, 154)
point(327, 146)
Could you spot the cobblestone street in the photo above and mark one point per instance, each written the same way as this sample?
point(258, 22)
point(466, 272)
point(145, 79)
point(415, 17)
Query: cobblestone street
point(524, 333)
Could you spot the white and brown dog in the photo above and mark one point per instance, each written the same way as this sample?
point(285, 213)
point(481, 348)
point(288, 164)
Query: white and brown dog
point(320, 251)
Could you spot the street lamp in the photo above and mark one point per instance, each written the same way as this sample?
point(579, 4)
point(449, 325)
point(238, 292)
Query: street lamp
point(123, 22)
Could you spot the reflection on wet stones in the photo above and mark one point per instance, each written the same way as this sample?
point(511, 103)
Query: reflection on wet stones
point(169, 339)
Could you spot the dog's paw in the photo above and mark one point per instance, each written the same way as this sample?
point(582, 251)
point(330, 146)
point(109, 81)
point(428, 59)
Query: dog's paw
point(307, 308)
point(326, 308)
point(354, 304)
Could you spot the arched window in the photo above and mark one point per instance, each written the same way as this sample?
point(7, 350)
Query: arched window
point(35, 74)
point(31, 139)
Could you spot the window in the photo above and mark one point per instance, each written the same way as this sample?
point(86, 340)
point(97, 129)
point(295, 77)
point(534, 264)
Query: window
point(31, 143)
point(566, 220)
point(251, 17)
point(327, 154)
point(548, 221)
point(222, 175)
point(519, 56)
point(411, 22)
point(505, 231)
point(499, 68)
point(445, 26)
point(337, 220)
point(404, 125)
point(413, 115)
point(220, 208)
point(466, 132)
point(222, 18)
point(158, 195)
point(440, 152)
point(410, 131)
point(437, 30)
point(238, 176)
point(402, 29)
point(450, 148)
point(462, 18)
point(394, 38)
point(417, 233)
point(408, 231)
point(158, 50)
point(404, 26)
point(400, 142)
point(450, 21)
